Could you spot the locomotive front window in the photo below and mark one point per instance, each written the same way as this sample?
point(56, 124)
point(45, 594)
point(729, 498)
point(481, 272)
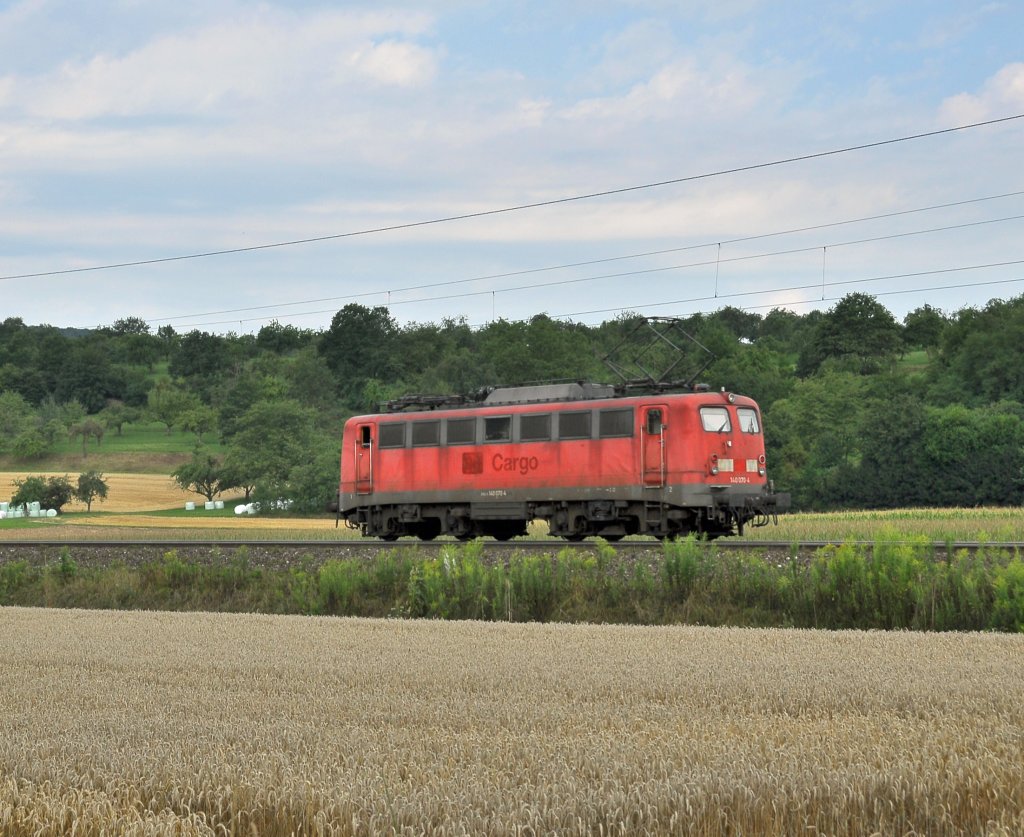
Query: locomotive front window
point(611, 423)
point(715, 419)
point(498, 428)
point(748, 420)
point(426, 433)
point(574, 425)
point(462, 431)
point(535, 428)
point(392, 435)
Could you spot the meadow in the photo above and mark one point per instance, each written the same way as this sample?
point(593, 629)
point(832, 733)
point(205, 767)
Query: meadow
point(195, 724)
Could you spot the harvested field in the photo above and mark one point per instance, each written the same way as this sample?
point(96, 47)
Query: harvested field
point(126, 492)
point(200, 724)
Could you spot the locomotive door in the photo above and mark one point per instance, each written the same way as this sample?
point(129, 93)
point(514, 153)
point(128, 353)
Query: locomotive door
point(364, 459)
point(652, 445)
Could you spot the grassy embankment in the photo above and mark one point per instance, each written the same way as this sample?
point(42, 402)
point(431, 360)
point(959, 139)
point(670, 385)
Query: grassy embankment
point(894, 585)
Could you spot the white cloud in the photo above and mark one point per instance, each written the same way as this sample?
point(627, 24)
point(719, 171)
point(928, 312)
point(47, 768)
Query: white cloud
point(682, 87)
point(395, 63)
point(1001, 95)
point(266, 57)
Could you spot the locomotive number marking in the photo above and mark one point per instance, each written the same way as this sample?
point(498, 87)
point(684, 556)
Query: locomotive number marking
point(510, 464)
point(739, 479)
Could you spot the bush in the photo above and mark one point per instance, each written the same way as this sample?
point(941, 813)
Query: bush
point(49, 492)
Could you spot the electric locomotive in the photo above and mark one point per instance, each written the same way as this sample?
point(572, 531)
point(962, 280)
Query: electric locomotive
point(585, 458)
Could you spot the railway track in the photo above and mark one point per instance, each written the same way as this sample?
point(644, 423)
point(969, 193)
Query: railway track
point(288, 552)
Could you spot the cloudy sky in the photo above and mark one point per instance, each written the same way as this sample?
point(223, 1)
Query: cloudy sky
point(157, 132)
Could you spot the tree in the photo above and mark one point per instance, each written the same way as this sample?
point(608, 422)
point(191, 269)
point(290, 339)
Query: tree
point(87, 428)
point(360, 344)
point(858, 330)
point(91, 486)
point(130, 325)
point(200, 355)
point(116, 415)
point(923, 328)
point(49, 492)
point(202, 474)
point(167, 402)
point(16, 418)
point(272, 442)
point(198, 419)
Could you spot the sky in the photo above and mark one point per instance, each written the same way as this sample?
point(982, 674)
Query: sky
point(337, 148)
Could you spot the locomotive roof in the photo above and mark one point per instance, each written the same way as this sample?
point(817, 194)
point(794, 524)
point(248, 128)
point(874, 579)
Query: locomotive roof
point(529, 395)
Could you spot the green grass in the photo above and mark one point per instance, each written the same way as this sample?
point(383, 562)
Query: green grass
point(991, 524)
point(914, 363)
point(145, 447)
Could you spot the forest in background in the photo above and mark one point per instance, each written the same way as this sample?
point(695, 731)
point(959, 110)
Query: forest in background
point(860, 410)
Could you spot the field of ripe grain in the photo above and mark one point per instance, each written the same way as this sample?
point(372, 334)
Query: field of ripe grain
point(160, 723)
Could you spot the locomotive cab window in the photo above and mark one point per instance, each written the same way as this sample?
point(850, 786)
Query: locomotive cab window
point(612, 423)
point(462, 431)
point(392, 435)
point(498, 428)
point(715, 419)
point(574, 425)
point(748, 420)
point(426, 433)
point(364, 436)
point(535, 427)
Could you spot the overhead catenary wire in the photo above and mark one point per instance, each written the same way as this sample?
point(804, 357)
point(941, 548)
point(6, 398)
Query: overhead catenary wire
point(620, 275)
point(525, 206)
point(838, 283)
point(661, 252)
point(738, 294)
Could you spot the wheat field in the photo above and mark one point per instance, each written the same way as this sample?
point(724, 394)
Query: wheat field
point(161, 723)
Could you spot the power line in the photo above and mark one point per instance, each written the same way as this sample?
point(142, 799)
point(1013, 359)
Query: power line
point(619, 275)
point(551, 268)
point(735, 295)
point(520, 207)
point(841, 283)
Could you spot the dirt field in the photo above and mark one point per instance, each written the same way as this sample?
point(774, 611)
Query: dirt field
point(126, 492)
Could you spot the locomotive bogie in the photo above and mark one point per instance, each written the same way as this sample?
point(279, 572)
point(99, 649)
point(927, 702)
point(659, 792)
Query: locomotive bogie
point(663, 465)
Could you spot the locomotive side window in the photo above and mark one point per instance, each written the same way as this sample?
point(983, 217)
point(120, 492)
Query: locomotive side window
point(748, 420)
point(611, 423)
point(654, 423)
point(715, 419)
point(364, 436)
point(498, 428)
point(392, 435)
point(426, 433)
point(574, 425)
point(462, 431)
point(535, 427)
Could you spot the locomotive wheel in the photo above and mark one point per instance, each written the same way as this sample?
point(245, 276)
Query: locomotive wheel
point(613, 538)
point(390, 536)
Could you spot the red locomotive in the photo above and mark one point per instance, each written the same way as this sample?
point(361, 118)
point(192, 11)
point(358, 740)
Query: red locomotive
point(577, 456)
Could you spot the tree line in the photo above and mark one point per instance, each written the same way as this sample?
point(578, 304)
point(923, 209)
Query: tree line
point(860, 409)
